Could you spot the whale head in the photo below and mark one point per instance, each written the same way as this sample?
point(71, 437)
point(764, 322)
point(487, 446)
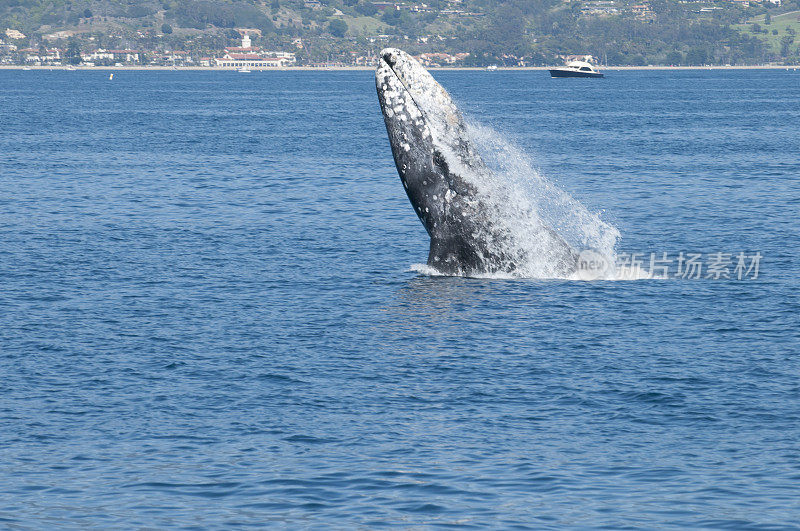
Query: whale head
point(404, 82)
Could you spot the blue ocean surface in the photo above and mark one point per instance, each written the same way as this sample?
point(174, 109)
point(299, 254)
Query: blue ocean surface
point(209, 314)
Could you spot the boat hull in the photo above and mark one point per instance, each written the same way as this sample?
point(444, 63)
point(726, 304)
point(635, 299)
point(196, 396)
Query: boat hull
point(557, 72)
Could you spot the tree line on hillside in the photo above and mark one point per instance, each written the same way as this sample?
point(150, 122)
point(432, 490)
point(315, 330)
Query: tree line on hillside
point(502, 32)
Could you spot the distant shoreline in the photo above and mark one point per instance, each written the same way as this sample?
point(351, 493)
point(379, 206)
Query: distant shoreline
point(370, 68)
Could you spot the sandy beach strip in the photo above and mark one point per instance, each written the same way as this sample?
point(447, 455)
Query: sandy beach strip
point(370, 68)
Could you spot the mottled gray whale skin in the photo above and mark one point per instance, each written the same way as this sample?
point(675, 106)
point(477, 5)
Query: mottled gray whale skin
point(433, 155)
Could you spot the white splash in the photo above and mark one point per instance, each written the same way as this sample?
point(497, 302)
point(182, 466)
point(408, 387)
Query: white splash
point(425, 269)
point(523, 204)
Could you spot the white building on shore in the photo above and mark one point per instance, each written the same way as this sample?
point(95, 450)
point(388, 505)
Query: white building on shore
point(249, 56)
point(42, 56)
point(118, 56)
point(14, 34)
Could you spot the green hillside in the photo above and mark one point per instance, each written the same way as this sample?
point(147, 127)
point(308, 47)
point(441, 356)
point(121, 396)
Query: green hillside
point(506, 32)
point(778, 31)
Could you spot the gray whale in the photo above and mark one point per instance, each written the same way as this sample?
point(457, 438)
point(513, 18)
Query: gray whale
point(441, 172)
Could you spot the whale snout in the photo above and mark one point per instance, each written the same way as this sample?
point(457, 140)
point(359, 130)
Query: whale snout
point(390, 56)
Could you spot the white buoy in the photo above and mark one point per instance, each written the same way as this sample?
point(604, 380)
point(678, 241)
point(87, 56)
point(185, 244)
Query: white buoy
point(111, 76)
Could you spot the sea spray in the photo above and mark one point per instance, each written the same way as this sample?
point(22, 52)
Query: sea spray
point(530, 212)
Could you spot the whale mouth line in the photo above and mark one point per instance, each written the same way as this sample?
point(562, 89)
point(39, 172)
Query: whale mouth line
point(388, 60)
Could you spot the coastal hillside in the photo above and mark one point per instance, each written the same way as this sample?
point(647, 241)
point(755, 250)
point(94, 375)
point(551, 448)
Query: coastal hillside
point(462, 32)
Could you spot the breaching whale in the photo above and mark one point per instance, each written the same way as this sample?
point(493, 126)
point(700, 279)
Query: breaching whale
point(443, 173)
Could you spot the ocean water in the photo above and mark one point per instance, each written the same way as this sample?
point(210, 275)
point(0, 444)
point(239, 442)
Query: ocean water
point(210, 315)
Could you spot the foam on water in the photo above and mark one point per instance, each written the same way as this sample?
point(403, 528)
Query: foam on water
point(430, 271)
